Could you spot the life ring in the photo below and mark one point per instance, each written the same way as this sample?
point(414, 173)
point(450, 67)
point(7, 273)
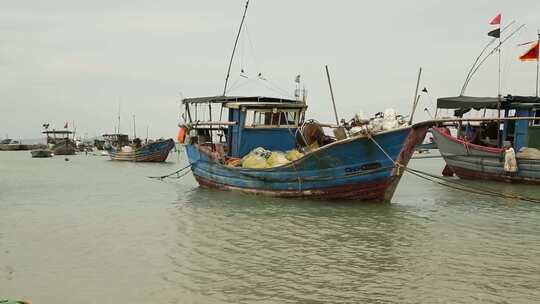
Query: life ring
point(182, 135)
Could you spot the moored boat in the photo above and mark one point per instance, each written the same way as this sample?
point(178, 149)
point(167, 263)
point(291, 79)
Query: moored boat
point(500, 138)
point(41, 153)
point(156, 151)
point(60, 142)
point(366, 166)
point(479, 147)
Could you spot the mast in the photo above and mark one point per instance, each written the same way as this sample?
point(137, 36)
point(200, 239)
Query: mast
point(118, 129)
point(134, 129)
point(234, 48)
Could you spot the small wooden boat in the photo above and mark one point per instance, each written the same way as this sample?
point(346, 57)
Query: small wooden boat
point(41, 153)
point(157, 151)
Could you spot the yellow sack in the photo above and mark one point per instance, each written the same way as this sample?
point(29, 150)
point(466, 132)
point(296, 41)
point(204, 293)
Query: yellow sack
point(293, 155)
point(254, 162)
point(277, 159)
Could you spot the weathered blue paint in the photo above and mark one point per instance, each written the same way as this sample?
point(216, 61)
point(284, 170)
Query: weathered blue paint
point(352, 161)
point(522, 129)
point(244, 139)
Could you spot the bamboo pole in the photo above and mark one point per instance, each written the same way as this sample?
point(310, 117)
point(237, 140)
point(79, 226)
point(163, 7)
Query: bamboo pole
point(415, 98)
point(332, 94)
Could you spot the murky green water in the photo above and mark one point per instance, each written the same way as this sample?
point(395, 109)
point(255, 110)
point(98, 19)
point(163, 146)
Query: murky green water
point(90, 230)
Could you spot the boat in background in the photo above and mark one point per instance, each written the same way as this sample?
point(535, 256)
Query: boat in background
point(119, 148)
point(41, 153)
point(481, 148)
point(503, 147)
point(60, 142)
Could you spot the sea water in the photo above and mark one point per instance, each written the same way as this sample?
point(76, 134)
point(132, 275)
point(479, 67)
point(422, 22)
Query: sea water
point(90, 230)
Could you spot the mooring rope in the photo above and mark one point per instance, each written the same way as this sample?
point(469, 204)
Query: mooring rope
point(177, 173)
point(460, 186)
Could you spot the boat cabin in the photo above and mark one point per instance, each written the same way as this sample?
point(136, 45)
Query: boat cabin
point(57, 137)
point(115, 140)
point(517, 127)
point(251, 122)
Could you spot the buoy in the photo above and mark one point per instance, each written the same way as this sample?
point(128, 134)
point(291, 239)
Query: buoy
point(66, 159)
point(182, 135)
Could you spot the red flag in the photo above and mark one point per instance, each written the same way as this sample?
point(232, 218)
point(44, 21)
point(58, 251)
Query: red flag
point(532, 54)
point(66, 126)
point(496, 20)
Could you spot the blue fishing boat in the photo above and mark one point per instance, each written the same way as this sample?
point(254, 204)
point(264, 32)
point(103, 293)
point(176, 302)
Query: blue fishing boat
point(365, 166)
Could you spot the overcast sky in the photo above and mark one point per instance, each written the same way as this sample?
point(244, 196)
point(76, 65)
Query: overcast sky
point(72, 60)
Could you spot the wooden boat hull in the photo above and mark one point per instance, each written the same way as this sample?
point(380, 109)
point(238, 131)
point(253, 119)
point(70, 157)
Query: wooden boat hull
point(474, 162)
point(41, 153)
point(63, 150)
point(350, 169)
point(153, 152)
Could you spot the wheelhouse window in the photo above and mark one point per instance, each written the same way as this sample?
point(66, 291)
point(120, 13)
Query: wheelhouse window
point(536, 122)
point(272, 118)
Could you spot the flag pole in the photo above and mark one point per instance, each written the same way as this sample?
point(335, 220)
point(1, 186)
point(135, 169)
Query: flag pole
point(499, 95)
point(537, 62)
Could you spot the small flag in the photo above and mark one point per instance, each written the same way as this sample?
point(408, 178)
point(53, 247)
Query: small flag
point(66, 126)
point(425, 90)
point(496, 20)
point(532, 54)
point(495, 33)
point(297, 79)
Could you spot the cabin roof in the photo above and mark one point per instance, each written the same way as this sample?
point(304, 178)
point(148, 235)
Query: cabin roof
point(115, 135)
point(469, 102)
point(236, 99)
point(266, 105)
point(57, 132)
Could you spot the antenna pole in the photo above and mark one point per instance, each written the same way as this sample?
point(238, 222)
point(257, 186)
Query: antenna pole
point(234, 48)
point(416, 97)
point(332, 94)
point(118, 115)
